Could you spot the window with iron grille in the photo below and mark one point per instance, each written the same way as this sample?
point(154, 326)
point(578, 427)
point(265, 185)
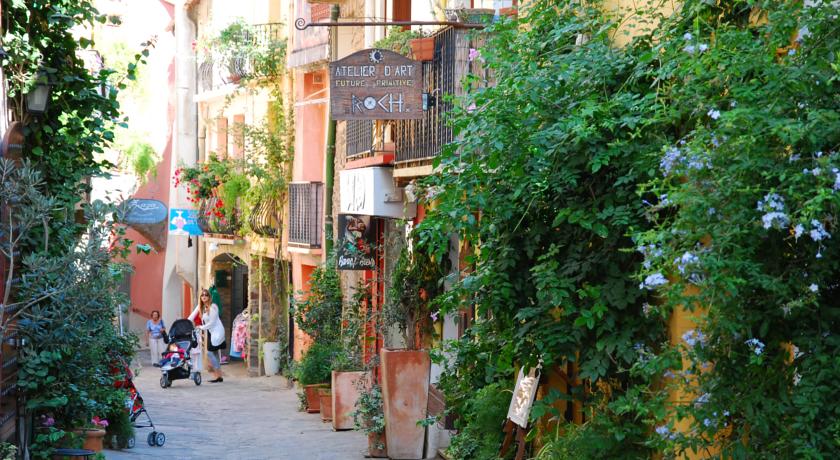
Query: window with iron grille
point(305, 211)
point(359, 140)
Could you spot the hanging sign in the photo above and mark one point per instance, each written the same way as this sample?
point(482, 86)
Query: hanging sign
point(355, 243)
point(376, 84)
point(145, 212)
point(523, 397)
point(184, 222)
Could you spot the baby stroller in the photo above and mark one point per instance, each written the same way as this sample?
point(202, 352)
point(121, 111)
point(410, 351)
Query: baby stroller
point(136, 408)
point(182, 338)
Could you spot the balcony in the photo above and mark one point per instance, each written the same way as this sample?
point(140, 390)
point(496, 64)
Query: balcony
point(247, 51)
point(264, 219)
point(213, 221)
point(418, 141)
point(306, 210)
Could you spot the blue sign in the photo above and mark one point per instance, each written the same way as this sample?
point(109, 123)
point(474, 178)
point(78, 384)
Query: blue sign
point(184, 222)
point(145, 212)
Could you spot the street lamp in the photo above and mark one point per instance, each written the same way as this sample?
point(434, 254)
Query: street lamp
point(38, 97)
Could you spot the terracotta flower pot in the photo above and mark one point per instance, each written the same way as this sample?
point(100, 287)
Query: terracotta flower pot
point(405, 394)
point(377, 445)
point(313, 404)
point(344, 396)
point(325, 399)
point(93, 438)
point(423, 49)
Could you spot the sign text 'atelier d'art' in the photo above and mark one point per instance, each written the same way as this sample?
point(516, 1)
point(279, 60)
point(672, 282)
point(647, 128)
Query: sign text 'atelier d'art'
point(376, 84)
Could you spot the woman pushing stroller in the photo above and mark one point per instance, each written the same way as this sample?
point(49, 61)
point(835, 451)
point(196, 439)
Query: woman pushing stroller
point(215, 332)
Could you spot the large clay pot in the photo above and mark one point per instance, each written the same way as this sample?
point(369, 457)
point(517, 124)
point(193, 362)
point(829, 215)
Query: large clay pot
point(344, 396)
point(313, 403)
point(377, 445)
point(325, 399)
point(405, 394)
point(93, 438)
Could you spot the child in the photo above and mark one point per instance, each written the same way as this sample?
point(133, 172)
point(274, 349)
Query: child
point(174, 356)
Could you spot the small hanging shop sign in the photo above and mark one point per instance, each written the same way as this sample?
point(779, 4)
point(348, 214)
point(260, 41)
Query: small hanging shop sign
point(356, 239)
point(375, 84)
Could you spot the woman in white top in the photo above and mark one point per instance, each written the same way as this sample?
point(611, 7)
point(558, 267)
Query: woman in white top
point(215, 332)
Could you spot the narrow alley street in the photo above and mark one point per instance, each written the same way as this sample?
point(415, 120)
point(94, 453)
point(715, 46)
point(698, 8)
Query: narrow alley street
point(241, 418)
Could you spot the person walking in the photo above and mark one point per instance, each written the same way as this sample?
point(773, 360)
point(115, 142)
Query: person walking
point(215, 332)
point(154, 337)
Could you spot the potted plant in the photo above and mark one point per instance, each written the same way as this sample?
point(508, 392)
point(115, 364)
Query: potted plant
point(347, 366)
point(369, 417)
point(423, 48)
point(325, 400)
point(93, 434)
point(313, 373)
point(400, 41)
point(416, 280)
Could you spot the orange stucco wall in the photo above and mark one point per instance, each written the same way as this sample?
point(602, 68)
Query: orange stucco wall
point(147, 280)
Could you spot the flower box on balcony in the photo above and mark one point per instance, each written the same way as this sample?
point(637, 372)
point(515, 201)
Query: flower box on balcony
point(423, 49)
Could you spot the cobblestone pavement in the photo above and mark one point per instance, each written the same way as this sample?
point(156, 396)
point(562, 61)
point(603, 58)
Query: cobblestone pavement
point(252, 418)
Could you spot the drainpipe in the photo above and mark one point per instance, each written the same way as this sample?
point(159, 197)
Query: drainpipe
point(330, 154)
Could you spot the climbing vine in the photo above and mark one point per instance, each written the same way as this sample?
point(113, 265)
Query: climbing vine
point(609, 187)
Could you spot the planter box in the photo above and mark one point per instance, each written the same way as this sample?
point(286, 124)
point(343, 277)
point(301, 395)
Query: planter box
point(93, 438)
point(325, 397)
point(423, 49)
point(344, 396)
point(313, 404)
point(377, 445)
point(405, 394)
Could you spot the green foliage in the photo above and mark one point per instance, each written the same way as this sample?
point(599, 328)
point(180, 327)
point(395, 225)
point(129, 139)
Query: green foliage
point(417, 279)
point(352, 338)
point(141, 159)
point(399, 40)
point(369, 416)
point(69, 139)
point(248, 51)
point(480, 433)
point(120, 428)
point(8, 451)
point(607, 187)
point(316, 365)
point(318, 310)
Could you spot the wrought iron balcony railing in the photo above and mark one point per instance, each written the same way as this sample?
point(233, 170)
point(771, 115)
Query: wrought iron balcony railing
point(264, 219)
point(305, 214)
point(261, 55)
point(423, 139)
point(359, 140)
point(209, 222)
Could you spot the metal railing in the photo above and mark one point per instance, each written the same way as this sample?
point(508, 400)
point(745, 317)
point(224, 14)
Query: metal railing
point(359, 139)
point(209, 222)
point(423, 139)
point(264, 219)
point(222, 68)
point(305, 212)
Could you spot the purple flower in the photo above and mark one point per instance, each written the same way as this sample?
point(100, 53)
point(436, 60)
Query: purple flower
point(813, 287)
point(713, 113)
point(756, 346)
point(818, 232)
point(693, 337)
point(474, 54)
point(434, 316)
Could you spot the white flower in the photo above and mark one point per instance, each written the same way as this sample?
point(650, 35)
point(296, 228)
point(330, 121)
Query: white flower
point(687, 36)
point(775, 220)
point(713, 113)
point(689, 49)
point(703, 47)
point(756, 346)
point(813, 287)
point(791, 51)
point(798, 230)
point(818, 232)
point(685, 261)
point(653, 281)
point(816, 171)
point(693, 337)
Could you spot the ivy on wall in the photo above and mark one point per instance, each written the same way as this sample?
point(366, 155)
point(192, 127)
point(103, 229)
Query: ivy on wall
point(605, 187)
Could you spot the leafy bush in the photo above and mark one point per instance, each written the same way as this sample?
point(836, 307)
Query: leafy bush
point(316, 364)
point(399, 40)
point(480, 426)
point(318, 311)
point(369, 417)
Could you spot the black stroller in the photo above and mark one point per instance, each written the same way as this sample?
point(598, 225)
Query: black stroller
point(182, 335)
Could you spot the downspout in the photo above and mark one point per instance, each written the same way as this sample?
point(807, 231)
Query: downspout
point(330, 154)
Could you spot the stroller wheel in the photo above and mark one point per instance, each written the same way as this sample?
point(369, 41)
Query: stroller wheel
point(197, 378)
point(160, 439)
point(130, 443)
point(151, 438)
point(164, 381)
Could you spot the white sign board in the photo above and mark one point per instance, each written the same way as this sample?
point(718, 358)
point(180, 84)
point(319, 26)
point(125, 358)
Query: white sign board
point(523, 397)
point(371, 192)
